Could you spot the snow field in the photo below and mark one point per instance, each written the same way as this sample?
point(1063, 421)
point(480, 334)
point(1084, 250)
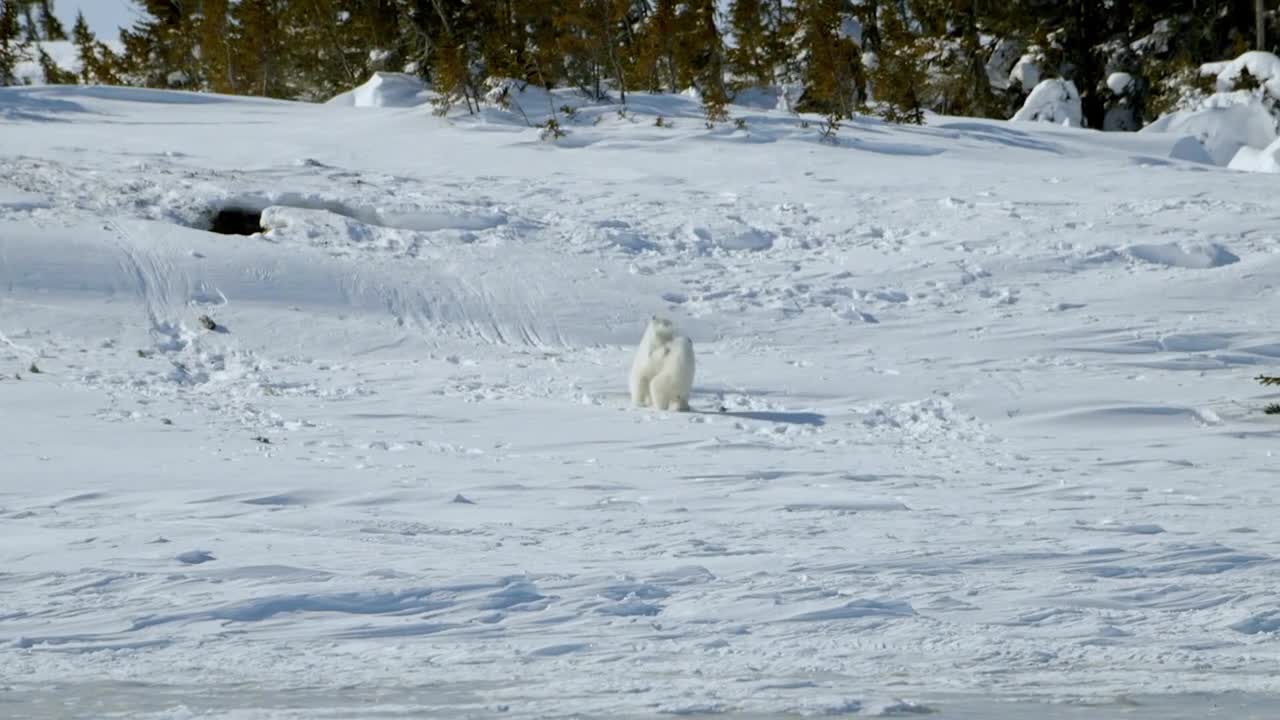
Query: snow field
point(973, 415)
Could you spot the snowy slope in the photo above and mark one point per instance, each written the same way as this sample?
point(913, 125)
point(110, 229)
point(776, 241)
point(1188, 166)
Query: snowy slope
point(975, 421)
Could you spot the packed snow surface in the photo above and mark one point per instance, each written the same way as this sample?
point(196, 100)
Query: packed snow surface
point(974, 421)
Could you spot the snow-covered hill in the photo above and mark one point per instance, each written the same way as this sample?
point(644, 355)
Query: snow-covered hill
point(974, 419)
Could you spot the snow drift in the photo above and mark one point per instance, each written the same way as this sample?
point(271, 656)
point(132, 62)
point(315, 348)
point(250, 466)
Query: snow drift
point(1237, 127)
point(937, 442)
point(386, 89)
point(1052, 101)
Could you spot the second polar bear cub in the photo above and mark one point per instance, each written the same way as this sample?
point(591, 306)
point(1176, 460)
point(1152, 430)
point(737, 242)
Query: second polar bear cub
point(670, 388)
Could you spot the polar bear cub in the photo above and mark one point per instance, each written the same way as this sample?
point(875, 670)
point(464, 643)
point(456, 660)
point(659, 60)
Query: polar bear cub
point(670, 388)
point(649, 358)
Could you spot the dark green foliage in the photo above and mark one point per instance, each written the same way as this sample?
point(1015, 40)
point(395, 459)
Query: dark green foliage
point(902, 57)
point(1246, 80)
point(899, 79)
point(54, 75)
point(749, 57)
point(50, 25)
point(831, 70)
point(1270, 380)
point(701, 53)
point(12, 45)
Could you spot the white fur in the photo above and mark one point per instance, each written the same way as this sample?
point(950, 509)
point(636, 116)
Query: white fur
point(648, 359)
point(670, 388)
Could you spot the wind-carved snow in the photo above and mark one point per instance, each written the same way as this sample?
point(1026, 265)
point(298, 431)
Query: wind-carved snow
point(956, 444)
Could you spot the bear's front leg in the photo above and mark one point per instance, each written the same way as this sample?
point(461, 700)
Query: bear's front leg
point(639, 390)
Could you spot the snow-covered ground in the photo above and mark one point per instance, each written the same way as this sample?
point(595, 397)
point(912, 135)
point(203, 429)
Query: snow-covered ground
point(974, 419)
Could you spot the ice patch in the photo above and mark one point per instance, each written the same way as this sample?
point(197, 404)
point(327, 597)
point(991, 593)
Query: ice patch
point(194, 557)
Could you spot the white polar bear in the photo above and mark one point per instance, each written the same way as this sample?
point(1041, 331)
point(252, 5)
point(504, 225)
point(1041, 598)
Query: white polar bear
point(648, 359)
point(670, 388)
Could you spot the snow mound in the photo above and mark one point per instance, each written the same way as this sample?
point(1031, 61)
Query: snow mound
point(1224, 124)
point(1195, 256)
point(1026, 72)
point(1262, 65)
point(1120, 83)
point(1251, 159)
point(385, 89)
point(1052, 101)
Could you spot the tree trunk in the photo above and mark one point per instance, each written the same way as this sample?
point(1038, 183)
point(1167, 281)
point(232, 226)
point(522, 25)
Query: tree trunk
point(1260, 21)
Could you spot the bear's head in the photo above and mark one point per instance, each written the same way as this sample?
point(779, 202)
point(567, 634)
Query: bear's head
point(660, 329)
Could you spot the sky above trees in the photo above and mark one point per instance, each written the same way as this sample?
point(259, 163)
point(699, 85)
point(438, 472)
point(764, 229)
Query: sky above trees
point(105, 17)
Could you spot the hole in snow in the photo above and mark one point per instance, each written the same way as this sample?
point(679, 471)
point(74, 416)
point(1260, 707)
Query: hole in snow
point(236, 221)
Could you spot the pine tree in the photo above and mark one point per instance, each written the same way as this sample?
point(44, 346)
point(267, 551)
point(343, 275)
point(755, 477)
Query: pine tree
point(749, 58)
point(84, 41)
point(591, 33)
point(450, 77)
point(12, 46)
point(832, 64)
point(29, 26)
point(50, 23)
point(213, 46)
point(98, 62)
point(159, 48)
point(655, 58)
point(53, 75)
point(780, 28)
point(972, 87)
point(263, 34)
point(701, 57)
point(899, 77)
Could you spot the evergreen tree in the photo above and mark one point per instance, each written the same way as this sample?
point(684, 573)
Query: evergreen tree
point(450, 76)
point(159, 48)
point(831, 61)
point(12, 46)
point(591, 33)
point(1271, 380)
point(84, 41)
point(50, 23)
point(749, 57)
point(260, 36)
point(53, 75)
point(899, 77)
point(98, 62)
point(29, 26)
point(655, 58)
point(216, 52)
point(780, 28)
point(701, 57)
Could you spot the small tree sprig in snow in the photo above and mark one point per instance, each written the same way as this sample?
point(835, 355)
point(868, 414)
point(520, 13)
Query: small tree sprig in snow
point(1273, 408)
